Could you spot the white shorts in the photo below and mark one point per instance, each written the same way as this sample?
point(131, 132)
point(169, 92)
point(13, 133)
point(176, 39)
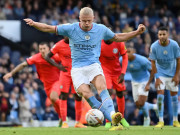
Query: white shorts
point(139, 89)
point(167, 84)
point(84, 75)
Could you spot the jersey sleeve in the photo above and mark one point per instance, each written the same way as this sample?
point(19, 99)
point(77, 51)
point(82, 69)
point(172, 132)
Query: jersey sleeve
point(55, 48)
point(108, 34)
point(147, 64)
point(176, 50)
point(31, 60)
point(152, 54)
point(122, 48)
point(56, 58)
point(64, 29)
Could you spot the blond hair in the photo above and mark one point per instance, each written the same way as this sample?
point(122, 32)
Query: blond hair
point(86, 11)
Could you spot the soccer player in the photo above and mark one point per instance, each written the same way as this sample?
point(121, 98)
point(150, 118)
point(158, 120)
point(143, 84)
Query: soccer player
point(114, 74)
point(139, 68)
point(48, 74)
point(85, 43)
point(63, 50)
point(165, 60)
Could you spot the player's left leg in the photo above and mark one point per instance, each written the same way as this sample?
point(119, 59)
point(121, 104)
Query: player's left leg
point(121, 106)
point(174, 99)
point(120, 87)
point(78, 111)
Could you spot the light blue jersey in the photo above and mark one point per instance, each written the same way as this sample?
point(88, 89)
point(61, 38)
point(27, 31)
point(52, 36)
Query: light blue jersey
point(139, 68)
point(165, 57)
point(85, 45)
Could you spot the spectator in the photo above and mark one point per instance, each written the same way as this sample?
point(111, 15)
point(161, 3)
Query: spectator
point(24, 109)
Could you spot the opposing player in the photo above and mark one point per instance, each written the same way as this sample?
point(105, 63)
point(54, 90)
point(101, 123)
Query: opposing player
point(139, 68)
point(48, 74)
point(114, 74)
point(165, 60)
point(63, 50)
point(85, 43)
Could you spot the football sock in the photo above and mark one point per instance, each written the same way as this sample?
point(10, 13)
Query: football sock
point(145, 110)
point(152, 106)
point(95, 104)
point(57, 107)
point(121, 104)
point(160, 104)
point(63, 105)
point(175, 107)
point(107, 102)
point(78, 109)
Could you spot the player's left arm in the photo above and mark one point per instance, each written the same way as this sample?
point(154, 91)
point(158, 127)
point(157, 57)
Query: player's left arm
point(121, 37)
point(124, 62)
point(52, 62)
point(176, 76)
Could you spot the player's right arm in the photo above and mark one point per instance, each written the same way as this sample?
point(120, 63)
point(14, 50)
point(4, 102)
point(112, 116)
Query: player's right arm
point(41, 26)
point(52, 62)
point(15, 70)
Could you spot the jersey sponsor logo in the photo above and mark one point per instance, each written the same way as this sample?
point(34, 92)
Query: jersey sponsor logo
point(87, 37)
point(165, 52)
point(85, 47)
point(115, 50)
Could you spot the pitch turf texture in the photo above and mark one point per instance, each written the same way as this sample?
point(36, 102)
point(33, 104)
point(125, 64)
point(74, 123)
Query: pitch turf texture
point(133, 130)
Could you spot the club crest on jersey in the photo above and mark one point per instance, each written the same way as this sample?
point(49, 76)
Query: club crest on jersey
point(165, 52)
point(131, 65)
point(61, 87)
point(87, 37)
point(115, 50)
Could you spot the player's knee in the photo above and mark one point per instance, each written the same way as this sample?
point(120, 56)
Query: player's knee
point(77, 98)
point(53, 97)
point(63, 96)
point(119, 94)
point(87, 94)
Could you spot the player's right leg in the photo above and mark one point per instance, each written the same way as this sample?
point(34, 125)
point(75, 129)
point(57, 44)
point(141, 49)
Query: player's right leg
point(53, 95)
point(100, 84)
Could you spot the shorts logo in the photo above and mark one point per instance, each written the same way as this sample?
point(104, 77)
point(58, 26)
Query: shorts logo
point(131, 65)
point(165, 52)
point(115, 50)
point(61, 87)
point(87, 37)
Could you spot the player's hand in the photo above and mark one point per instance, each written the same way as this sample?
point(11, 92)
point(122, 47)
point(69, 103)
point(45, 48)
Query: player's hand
point(175, 79)
point(63, 68)
point(121, 78)
point(158, 83)
point(28, 21)
point(147, 87)
point(7, 76)
point(141, 29)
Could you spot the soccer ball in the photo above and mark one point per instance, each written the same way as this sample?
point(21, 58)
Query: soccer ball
point(94, 117)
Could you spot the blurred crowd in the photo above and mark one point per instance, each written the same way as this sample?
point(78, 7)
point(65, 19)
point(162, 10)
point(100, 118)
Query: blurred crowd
point(22, 98)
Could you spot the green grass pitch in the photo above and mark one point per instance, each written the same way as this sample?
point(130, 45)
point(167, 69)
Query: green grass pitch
point(133, 130)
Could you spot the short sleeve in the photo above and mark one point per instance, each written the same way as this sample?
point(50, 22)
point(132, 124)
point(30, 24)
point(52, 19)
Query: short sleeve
point(64, 29)
point(152, 54)
point(147, 64)
point(31, 60)
point(55, 48)
point(108, 34)
point(176, 50)
point(122, 48)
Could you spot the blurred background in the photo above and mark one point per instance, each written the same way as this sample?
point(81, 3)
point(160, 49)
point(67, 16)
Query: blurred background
point(19, 41)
